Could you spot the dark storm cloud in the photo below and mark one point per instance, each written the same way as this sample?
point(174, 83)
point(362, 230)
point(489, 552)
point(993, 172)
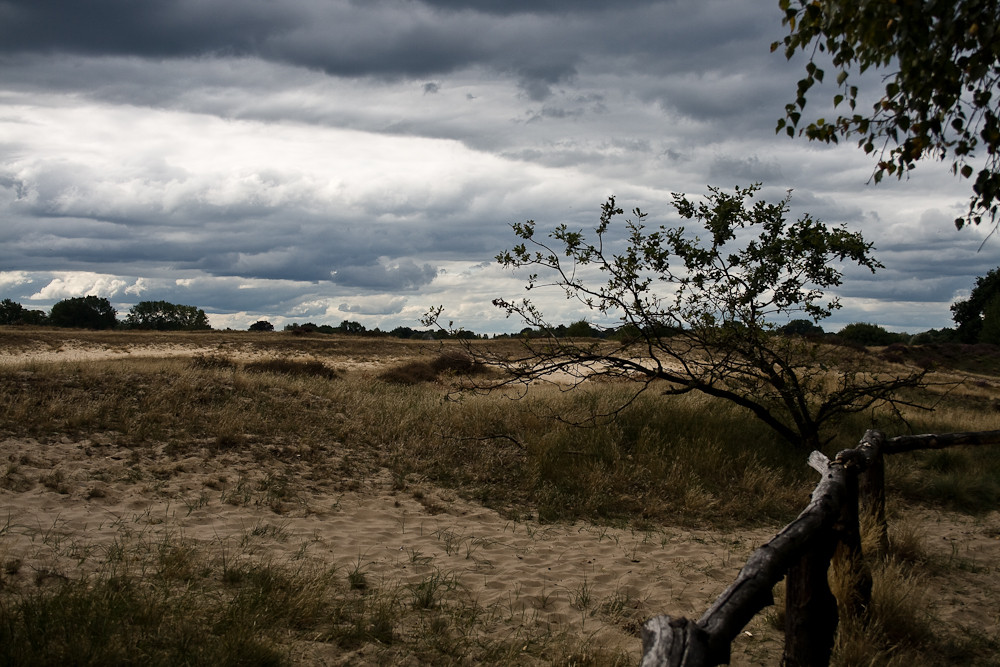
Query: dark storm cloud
point(151, 27)
point(370, 39)
point(539, 44)
point(745, 170)
point(507, 7)
point(405, 275)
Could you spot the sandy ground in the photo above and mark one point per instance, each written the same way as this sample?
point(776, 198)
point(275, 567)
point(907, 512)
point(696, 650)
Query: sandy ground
point(68, 502)
point(75, 500)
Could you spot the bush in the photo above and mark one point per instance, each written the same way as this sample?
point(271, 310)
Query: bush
point(14, 313)
point(166, 316)
point(310, 368)
point(415, 372)
point(862, 333)
point(804, 328)
point(212, 362)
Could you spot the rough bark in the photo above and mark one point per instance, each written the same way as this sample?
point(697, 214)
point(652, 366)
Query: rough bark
point(804, 548)
point(810, 607)
point(871, 490)
point(909, 443)
point(676, 642)
point(665, 639)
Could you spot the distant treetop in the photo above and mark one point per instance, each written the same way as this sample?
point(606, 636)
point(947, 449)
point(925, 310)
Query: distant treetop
point(84, 312)
point(165, 316)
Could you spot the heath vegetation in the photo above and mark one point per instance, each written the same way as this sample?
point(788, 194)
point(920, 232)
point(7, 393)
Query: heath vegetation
point(274, 428)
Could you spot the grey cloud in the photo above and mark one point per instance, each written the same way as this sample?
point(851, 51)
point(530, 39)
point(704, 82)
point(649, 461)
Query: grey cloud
point(507, 7)
point(374, 306)
point(892, 286)
point(155, 28)
point(73, 222)
point(744, 170)
point(560, 101)
point(541, 45)
point(374, 39)
point(404, 275)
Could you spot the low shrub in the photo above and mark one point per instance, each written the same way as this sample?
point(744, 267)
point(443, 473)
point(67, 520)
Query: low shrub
point(212, 362)
point(451, 362)
point(296, 367)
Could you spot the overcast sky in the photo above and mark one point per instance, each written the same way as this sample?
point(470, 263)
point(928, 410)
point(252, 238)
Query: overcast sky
point(323, 160)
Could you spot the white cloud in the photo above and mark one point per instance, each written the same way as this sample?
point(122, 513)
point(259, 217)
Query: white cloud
point(140, 286)
point(9, 279)
point(76, 284)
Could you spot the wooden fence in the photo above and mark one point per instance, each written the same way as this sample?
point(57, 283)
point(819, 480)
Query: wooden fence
point(826, 531)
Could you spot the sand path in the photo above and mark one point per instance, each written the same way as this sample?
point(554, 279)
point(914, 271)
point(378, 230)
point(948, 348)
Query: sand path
point(75, 501)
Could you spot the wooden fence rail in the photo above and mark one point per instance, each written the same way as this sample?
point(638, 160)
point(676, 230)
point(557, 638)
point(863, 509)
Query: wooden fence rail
point(826, 530)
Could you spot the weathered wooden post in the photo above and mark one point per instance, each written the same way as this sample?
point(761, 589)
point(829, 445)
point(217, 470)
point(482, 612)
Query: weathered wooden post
point(674, 642)
point(810, 607)
point(849, 564)
point(871, 489)
point(803, 549)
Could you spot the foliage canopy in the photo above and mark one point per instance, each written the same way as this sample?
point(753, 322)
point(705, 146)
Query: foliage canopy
point(942, 64)
point(12, 312)
point(699, 309)
point(84, 312)
point(864, 333)
point(978, 317)
point(166, 316)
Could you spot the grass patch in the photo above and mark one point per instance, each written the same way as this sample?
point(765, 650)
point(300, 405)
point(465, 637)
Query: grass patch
point(901, 626)
point(963, 479)
point(241, 611)
point(124, 620)
point(666, 461)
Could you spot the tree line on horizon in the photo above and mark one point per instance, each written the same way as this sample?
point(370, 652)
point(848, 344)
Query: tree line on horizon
point(977, 320)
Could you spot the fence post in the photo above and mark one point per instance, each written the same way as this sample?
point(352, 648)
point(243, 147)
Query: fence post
point(810, 607)
point(853, 575)
point(871, 489)
point(803, 550)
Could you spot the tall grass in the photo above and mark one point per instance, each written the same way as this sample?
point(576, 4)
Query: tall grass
point(666, 459)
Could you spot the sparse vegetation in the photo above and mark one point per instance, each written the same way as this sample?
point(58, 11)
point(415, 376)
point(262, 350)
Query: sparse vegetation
point(284, 420)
